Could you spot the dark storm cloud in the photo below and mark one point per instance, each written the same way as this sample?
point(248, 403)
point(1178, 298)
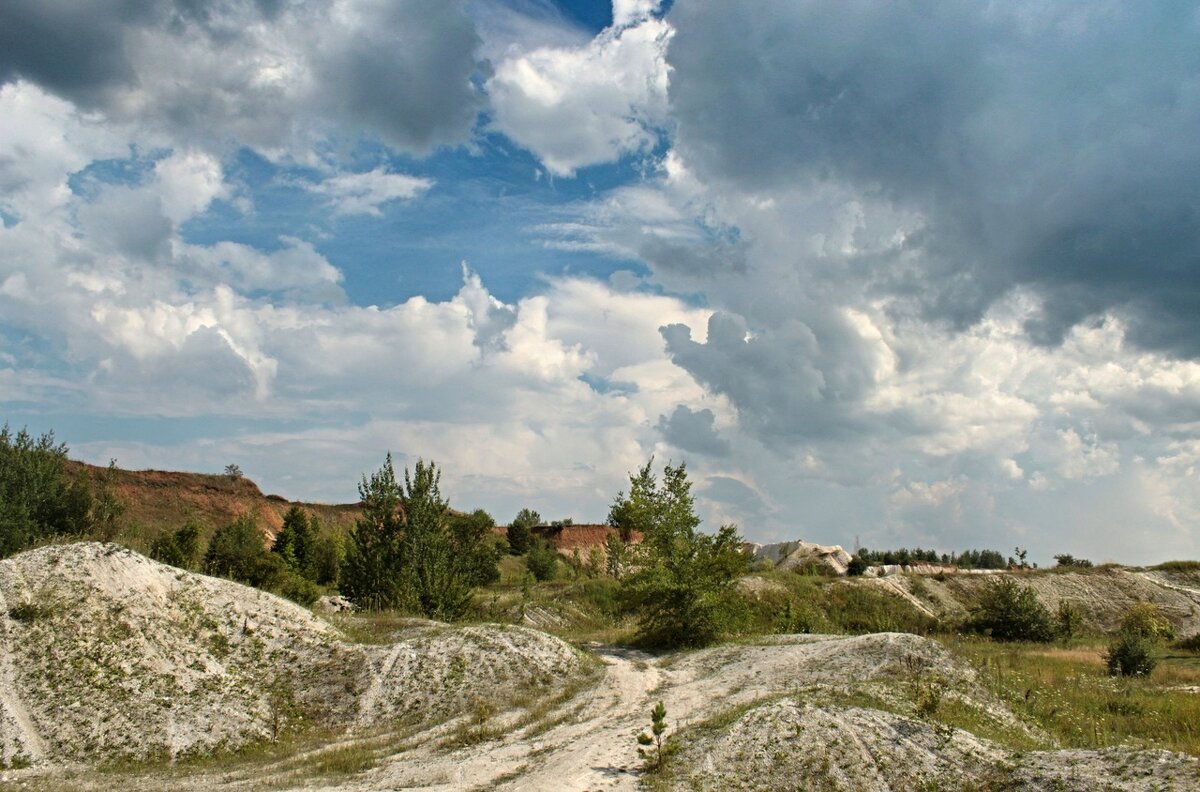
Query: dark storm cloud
point(70, 47)
point(255, 71)
point(1055, 147)
point(693, 431)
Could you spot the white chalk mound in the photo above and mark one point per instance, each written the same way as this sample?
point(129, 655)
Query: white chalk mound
point(104, 652)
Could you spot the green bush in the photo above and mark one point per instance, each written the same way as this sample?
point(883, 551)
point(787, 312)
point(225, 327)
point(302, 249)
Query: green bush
point(1008, 611)
point(1147, 620)
point(179, 548)
point(857, 566)
point(38, 499)
point(1189, 644)
point(236, 552)
point(1130, 654)
point(858, 609)
point(542, 560)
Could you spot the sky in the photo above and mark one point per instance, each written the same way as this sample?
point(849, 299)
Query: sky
point(922, 273)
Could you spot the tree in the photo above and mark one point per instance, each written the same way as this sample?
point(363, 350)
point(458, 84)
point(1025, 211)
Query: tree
point(472, 538)
point(233, 472)
point(652, 750)
point(236, 551)
point(371, 570)
point(403, 552)
point(520, 531)
point(38, 498)
point(295, 543)
point(681, 586)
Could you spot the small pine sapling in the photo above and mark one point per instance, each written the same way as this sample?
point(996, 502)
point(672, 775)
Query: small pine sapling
point(658, 726)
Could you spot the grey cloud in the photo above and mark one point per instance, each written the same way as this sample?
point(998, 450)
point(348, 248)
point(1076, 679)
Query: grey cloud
point(72, 48)
point(693, 431)
point(263, 73)
point(127, 221)
point(405, 73)
point(787, 382)
point(1046, 146)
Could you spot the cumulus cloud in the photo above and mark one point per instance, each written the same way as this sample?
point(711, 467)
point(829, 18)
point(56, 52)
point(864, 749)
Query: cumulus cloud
point(585, 105)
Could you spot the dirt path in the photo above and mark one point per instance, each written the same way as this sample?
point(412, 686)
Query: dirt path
point(588, 743)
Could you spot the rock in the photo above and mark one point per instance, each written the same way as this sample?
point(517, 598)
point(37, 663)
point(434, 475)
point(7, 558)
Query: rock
point(333, 604)
point(797, 554)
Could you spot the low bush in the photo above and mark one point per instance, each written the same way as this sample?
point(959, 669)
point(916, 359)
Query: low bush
point(1189, 644)
point(1147, 620)
point(542, 560)
point(1008, 611)
point(1130, 654)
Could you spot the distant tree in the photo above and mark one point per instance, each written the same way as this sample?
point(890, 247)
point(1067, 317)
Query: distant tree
point(107, 508)
point(233, 471)
point(236, 551)
point(615, 556)
point(1068, 560)
point(857, 566)
point(1147, 620)
point(681, 583)
point(520, 531)
point(1008, 611)
point(38, 498)
point(326, 557)
point(542, 560)
point(296, 540)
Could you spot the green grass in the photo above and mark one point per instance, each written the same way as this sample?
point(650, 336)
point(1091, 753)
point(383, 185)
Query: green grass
point(1066, 691)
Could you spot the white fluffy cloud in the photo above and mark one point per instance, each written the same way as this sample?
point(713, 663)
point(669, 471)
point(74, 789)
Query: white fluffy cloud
point(590, 104)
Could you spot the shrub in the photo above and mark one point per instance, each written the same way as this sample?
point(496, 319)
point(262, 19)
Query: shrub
point(295, 540)
point(236, 552)
point(1189, 644)
point(1179, 566)
point(180, 548)
point(1147, 620)
point(1008, 611)
point(542, 560)
point(1070, 561)
point(1130, 654)
point(857, 566)
point(38, 499)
